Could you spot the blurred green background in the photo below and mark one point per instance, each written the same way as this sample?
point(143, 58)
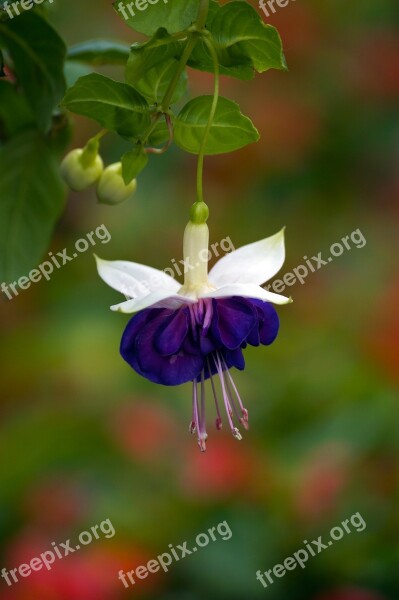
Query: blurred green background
point(84, 439)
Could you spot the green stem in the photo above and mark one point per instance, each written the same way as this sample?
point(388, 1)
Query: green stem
point(91, 149)
point(165, 104)
point(202, 14)
point(192, 39)
point(191, 42)
point(200, 168)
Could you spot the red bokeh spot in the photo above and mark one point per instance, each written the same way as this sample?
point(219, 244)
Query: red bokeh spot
point(351, 593)
point(145, 431)
point(321, 482)
point(226, 468)
point(91, 573)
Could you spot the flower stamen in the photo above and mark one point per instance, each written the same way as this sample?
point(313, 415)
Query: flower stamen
point(194, 425)
point(203, 435)
point(226, 399)
point(219, 423)
point(198, 423)
point(244, 413)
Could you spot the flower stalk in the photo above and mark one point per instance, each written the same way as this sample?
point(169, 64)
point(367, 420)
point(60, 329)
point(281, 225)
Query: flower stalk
point(192, 39)
point(90, 151)
point(200, 167)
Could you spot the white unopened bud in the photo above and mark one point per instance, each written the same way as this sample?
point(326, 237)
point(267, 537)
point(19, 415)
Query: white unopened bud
point(111, 188)
point(79, 175)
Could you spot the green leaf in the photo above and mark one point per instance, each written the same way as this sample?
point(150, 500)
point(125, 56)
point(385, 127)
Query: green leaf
point(100, 52)
point(32, 199)
point(243, 43)
point(146, 17)
point(230, 130)
point(116, 106)
point(201, 60)
point(160, 135)
point(133, 163)
point(15, 112)
point(38, 54)
point(73, 70)
point(160, 48)
point(155, 82)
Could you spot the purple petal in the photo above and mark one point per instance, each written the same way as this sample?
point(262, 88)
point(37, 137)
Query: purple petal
point(171, 347)
point(136, 323)
point(167, 370)
point(171, 335)
point(235, 358)
point(254, 336)
point(234, 318)
point(269, 322)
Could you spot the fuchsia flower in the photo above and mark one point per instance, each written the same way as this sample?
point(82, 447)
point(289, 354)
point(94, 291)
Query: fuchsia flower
point(195, 331)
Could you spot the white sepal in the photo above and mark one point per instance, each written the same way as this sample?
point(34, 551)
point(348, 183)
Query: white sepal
point(247, 291)
point(135, 280)
point(254, 263)
point(156, 299)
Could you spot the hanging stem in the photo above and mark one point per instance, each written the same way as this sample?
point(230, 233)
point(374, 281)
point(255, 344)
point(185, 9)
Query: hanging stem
point(202, 14)
point(200, 168)
point(192, 40)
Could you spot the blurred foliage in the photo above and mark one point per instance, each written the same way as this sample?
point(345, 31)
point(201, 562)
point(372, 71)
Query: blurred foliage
point(85, 439)
point(33, 134)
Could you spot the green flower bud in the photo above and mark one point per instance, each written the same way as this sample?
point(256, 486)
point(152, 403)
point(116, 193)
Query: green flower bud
point(111, 188)
point(199, 213)
point(79, 175)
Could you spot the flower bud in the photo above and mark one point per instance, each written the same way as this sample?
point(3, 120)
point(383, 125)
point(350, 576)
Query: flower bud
point(111, 188)
point(79, 175)
point(199, 213)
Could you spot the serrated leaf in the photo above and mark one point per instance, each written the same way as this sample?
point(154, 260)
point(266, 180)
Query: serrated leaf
point(38, 54)
point(32, 199)
point(174, 15)
point(133, 163)
point(116, 106)
point(99, 52)
point(155, 82)
point(230, 130)
point(160, 48)
point(243, 43)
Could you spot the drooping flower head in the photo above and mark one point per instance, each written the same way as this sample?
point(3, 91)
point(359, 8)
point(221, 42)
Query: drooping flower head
point(197, 331)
